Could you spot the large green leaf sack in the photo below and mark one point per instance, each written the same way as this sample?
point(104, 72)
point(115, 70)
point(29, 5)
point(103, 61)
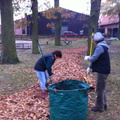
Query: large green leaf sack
point(68, 100)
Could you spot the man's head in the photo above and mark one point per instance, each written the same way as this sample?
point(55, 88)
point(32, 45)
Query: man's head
point(57, 54)
point(97, 37)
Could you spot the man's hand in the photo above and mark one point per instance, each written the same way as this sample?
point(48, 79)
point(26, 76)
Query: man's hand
point(86, 58)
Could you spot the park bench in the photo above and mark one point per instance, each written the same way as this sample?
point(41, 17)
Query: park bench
point(24, 44)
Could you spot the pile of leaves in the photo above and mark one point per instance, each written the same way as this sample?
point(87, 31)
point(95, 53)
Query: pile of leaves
point(28, 105)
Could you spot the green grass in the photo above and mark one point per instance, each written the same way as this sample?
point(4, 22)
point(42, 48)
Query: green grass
point(51, 44)
point(14, 78)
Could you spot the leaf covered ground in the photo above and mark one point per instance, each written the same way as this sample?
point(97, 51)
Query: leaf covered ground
point(23, 101)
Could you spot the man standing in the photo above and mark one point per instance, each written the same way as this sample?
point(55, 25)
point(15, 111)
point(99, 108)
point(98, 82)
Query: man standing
point(100, 63)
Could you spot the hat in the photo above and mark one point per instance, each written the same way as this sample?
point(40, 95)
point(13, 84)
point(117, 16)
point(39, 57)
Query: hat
point(98, 36)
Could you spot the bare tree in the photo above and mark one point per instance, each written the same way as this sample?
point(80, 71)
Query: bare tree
point(93, 22)
point(33, 6)
point(34, 27)
point(8, 53)
point(58, 24)
point(58, 14)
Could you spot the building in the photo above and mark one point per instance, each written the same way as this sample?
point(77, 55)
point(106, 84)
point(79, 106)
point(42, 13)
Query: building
point(109, 25)
point(76, 24)
point(20, 27)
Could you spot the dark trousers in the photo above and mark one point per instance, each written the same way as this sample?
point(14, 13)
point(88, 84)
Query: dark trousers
point(101, 100)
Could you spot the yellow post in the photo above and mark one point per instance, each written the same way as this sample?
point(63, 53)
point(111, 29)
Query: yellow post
point(91, 46)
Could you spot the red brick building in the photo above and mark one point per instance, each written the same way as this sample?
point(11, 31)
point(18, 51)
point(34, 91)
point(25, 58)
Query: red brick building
point(109, 25)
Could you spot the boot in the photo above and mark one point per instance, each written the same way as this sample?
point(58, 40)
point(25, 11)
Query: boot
point(44, 94)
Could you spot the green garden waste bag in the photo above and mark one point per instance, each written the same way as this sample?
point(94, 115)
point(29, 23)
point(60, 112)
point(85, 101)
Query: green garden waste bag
point(68, 100)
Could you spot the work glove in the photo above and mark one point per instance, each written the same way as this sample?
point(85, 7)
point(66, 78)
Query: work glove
point(88, 70)
point(86, 58)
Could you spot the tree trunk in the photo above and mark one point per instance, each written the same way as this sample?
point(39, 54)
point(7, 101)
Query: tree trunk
point(35, 49)
point(93, 22)
point(8, 53)
point(56, 3)
point(58, 29)
point(119, 28)
point(58, 24)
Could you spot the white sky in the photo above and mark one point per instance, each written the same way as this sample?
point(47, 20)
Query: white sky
point(81, 6)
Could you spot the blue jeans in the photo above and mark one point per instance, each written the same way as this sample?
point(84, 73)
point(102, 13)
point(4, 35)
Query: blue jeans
point(42, 76)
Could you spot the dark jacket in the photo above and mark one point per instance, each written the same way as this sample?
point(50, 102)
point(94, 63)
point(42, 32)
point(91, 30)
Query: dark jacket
point(102, 64)
point(100, 61)
point(45, 63)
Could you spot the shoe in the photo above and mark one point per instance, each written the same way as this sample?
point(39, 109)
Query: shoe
point(44, 94)
point(96, 109)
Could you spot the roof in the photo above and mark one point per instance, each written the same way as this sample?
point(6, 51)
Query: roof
point(109, 20)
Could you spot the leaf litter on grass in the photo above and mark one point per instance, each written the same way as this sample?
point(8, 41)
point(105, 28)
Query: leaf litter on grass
point(28, 104)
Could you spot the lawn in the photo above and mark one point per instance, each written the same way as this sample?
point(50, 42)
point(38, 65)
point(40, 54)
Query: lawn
point(15, 78)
